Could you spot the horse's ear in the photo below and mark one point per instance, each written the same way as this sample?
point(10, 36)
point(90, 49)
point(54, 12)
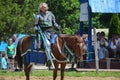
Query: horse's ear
point(77, 39)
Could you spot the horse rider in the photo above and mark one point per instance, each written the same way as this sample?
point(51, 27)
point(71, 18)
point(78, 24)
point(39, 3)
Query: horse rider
point(46, 20)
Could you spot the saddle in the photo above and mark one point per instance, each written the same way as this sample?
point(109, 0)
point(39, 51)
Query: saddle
point(50, 38)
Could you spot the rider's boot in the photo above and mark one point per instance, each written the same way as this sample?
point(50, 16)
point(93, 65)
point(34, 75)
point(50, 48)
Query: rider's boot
point(51, 45)
point(38, 42)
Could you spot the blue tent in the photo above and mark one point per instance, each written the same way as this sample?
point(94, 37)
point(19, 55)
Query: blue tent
point(105, 6)
point(3, 45)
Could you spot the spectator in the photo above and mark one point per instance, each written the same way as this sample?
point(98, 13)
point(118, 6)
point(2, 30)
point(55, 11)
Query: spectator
point(102, 47)
point(11, 52)
point(98, 35)
point(85, 54)
point(4, 61)
point(114, 45)
point(14, 37)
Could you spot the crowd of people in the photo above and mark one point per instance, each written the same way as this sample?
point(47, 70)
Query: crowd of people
point(106, 47)
point(8, 57)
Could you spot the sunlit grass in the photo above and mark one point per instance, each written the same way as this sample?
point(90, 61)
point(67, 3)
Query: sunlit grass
point(67, 73)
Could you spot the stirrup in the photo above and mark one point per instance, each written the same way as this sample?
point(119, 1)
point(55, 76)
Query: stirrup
point(48, 63)
point(52, 45)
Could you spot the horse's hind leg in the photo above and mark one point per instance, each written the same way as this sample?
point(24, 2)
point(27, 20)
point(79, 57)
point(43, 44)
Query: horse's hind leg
point(27, 71)
point(62, 70)
point(55, 70)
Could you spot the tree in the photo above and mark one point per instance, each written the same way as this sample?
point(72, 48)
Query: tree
point(114, 27)
point(17, 15)
point(67, 14)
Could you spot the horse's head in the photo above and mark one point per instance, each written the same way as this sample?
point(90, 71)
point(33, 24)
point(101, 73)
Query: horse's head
point(79, 46)
point(76, 43)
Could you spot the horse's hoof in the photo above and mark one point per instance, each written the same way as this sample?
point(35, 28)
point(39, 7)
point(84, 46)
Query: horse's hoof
point(48, 63)
point(17, 70)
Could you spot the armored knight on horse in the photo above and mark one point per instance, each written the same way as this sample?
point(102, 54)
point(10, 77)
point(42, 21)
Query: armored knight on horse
point(53, 44)
point(46, 20)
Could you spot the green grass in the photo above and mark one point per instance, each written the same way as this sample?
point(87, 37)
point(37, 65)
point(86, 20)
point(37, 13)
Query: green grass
point(67, 73)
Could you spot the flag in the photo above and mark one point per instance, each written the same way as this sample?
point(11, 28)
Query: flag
point(83, 10)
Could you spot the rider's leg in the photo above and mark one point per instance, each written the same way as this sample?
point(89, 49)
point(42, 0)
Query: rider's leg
point(47, 53)
point(53, 38)
point(38, 41)
point(46, 45)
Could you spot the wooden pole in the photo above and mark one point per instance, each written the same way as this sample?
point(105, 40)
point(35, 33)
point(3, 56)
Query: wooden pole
point(96, 52)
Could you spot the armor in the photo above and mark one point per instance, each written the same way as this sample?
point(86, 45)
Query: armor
point(46, 21)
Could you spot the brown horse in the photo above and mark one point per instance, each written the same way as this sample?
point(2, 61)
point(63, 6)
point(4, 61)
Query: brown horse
point(74, 42)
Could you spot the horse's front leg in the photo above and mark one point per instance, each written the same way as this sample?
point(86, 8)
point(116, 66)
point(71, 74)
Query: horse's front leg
point(55, 70)
point(27, 71)
point(62, 70)
point(80, 63)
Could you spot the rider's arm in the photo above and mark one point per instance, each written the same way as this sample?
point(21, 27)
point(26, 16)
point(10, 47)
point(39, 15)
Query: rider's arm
point(54, 22)
point(36, 21)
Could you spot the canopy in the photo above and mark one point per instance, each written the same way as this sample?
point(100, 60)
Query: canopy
point(105, 6)
point(3, 45)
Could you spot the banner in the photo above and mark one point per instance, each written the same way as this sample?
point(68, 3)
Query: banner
point(84, 11)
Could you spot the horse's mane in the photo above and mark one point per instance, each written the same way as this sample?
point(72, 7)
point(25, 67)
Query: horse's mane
point(72, 40)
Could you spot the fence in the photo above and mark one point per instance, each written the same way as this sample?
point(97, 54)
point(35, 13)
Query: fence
point(37, 57)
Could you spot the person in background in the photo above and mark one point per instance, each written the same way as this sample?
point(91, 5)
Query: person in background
point(114, 45)
point(4, 61)
point(102, 44)
point(85, 54)
point(14, 37)
point(11, 52)
point(98, 35)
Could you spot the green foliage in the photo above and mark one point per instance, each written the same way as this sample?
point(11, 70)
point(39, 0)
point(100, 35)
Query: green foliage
point(105, 19)
point(68, 31)
point(16, 16)
point(66, 12)
point(114, 25)
point(96, 22)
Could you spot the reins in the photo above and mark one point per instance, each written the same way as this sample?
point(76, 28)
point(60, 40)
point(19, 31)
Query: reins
point(61, 52)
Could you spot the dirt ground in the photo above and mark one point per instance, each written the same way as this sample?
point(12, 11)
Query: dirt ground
point(58, 78)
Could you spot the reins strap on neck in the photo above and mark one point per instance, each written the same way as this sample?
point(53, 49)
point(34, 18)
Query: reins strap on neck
point(60, 50)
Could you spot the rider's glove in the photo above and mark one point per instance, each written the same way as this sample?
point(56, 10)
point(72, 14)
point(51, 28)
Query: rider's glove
point(35, 27)
point(58, 28)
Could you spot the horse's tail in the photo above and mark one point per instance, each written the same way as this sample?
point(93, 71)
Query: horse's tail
point(22, 47)
point(19, 60)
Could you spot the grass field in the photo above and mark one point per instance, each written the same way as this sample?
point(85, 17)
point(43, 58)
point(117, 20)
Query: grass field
point(67, 73)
